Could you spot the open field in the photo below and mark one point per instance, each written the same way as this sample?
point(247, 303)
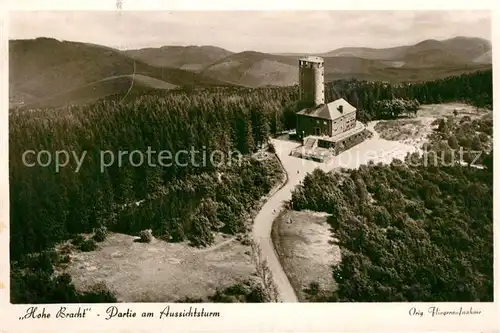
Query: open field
point(161, 271)
point(446, 109)
point(302, 241)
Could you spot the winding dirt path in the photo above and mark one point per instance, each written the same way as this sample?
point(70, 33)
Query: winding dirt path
point(263, 222)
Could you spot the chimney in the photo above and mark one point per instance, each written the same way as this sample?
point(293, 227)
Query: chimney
point(341, 108)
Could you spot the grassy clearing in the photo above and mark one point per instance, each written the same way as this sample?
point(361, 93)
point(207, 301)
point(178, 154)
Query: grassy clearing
point(161, 271)
point(448, 109)
point(305, 250)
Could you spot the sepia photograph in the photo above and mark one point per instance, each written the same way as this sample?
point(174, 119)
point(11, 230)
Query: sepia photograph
point(251, 157)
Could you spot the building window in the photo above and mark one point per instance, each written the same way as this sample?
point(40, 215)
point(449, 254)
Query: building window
point(317, 121)
point(324, 123)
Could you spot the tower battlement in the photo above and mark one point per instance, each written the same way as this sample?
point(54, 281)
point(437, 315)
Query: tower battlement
point(312, 59)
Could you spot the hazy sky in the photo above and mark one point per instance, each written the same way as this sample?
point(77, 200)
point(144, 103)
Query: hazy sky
point(271, 31)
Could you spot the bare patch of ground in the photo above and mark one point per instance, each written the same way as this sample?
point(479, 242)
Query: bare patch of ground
point(161, 271)
point(414, 131)
point(305, 250)
point(407, 131)
point(447, 109)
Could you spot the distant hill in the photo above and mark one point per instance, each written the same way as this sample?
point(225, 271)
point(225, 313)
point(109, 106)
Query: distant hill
point(406, 74)
point(254, 69)
point(125, 84)
point(467, 48)
point(191, 58)
point(257, 69)
point(367, 53)
point(44, 67)
point(452, 51)
point(46, 71)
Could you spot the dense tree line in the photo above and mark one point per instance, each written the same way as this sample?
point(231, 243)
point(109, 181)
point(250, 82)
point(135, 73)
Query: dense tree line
point(394, 108)
point(409, 232)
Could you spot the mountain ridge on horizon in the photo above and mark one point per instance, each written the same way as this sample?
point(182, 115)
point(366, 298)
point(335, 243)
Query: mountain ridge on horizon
point(44, 69)
point(256, 50)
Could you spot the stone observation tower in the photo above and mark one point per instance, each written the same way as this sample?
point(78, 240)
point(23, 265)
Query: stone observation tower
point(326, 130)
point(312, 80)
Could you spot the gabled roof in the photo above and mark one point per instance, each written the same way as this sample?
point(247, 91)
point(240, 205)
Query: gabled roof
point(330, 110)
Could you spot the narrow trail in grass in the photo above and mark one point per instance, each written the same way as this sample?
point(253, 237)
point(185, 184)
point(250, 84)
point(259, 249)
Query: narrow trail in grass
point(218, 246)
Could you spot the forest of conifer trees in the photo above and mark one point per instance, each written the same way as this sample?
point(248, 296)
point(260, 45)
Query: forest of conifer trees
point(418, 234)
point(182, 203)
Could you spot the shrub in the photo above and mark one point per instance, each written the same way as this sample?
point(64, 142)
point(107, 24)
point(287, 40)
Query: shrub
point(65, 248)
point(98, 293)
point(40, 262)
point(476, 144)
point(246, 240)
point(78, 240)
point(453, 142)
point(100, 234)
point(313, 289)
point(465, 119)
point(443, 126)
point(65, 259)
point(88, 245)
point(271, 148)
point(245, 292)
point(146, 236)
